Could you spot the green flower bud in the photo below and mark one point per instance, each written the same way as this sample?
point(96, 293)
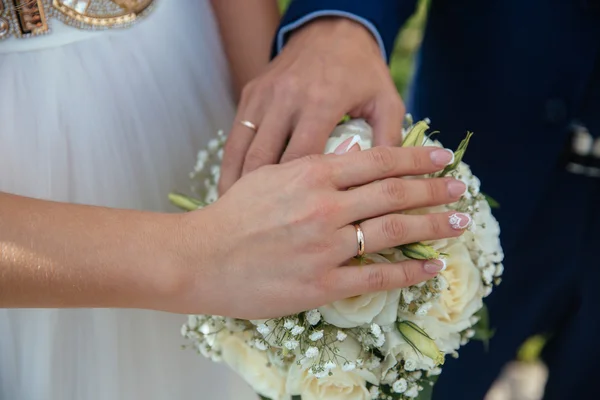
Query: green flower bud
point(420, 341)
point(416, 136)
point(419, 251)
point(184, 202)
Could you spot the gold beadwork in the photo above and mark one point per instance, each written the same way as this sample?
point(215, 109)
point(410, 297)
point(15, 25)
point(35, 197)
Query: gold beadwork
point(27, 18)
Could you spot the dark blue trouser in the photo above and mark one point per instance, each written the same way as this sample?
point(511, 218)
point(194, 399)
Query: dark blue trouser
point(551, 285)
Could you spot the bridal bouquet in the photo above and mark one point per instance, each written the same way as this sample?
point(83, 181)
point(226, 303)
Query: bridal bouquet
point(386, 345)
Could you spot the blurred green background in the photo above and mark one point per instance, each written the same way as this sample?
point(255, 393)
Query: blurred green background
point(409, 40)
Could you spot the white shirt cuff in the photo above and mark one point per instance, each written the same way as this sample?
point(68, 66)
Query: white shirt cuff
point(329, 13)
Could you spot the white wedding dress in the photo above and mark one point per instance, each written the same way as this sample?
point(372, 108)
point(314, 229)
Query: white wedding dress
point(110, 118)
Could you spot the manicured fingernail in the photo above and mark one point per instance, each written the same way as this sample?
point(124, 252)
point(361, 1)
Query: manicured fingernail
point(456, 188)
point(459, 221)
point(435, 266)
point(346, 145)
point(442, 157)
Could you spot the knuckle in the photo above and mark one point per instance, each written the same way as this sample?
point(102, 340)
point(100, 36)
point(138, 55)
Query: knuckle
point(432, 189)
point(320, 96)
point(382, 158)
point(416, 160)
point(378, 279)
point(434, 226)
point(314, 171)
point(323, 209)
point(247, 92)
point(407, 275)
point(393, 229)
point(325, 284)
point(394, 191)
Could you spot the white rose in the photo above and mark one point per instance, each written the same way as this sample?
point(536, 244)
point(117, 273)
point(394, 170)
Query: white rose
point(355, 127)
point(252, 365)
point(379, 307)
point(451, 312)
point(339, 386)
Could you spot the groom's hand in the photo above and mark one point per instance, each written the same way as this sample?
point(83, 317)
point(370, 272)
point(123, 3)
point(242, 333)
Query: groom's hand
point(328, 68)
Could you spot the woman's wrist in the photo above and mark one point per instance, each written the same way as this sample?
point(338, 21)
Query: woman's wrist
point(186, 273)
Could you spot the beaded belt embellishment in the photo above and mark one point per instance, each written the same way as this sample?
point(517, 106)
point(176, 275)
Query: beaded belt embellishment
point(29, 18)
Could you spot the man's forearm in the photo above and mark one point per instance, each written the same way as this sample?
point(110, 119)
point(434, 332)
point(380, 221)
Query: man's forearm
point(247, 28)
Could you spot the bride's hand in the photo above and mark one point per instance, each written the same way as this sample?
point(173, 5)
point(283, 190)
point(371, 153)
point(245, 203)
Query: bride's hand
point(274, 243)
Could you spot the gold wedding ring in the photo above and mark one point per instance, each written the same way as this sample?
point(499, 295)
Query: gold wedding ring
point(360, 236)
point(250, 125)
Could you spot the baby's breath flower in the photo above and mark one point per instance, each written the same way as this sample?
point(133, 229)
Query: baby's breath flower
point(434, 371)
point(313, 317)
point(374, 392)
point(311, 352)
point(213, 145)
point(260, 344)
point(289, 324)
point(192, 321)
point(424, 309)
point(184, 330)
point(341, 336)
point(348, 366)
point(316, 335)
point(297, 330)
point(408, 296)
point(263, 329)
point(375, 330)
point(410, 364)
point(329, 365)
point(400, 386)
point(291, 344)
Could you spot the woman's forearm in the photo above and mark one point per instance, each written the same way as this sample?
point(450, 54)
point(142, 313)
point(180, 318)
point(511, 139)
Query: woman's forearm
point(64, 255)
point(247, 29)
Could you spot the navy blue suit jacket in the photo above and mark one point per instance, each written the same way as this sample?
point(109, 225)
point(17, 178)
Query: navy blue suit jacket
point(514, 72)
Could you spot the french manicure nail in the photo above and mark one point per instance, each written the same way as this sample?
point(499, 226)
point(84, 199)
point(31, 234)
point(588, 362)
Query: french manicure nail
point(442, 157)
point(346, 145)
point(435, 266)
point(355, 140)
point(456, 188)
point(459, 221)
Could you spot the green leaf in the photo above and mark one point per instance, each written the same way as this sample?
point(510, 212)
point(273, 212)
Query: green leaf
point(263, 397)
point(493, 203)
point(458, 154)
point(184, 202)
point(482, 327)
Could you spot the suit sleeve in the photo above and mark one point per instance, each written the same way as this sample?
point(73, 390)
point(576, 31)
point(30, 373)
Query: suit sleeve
point(383, 18)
